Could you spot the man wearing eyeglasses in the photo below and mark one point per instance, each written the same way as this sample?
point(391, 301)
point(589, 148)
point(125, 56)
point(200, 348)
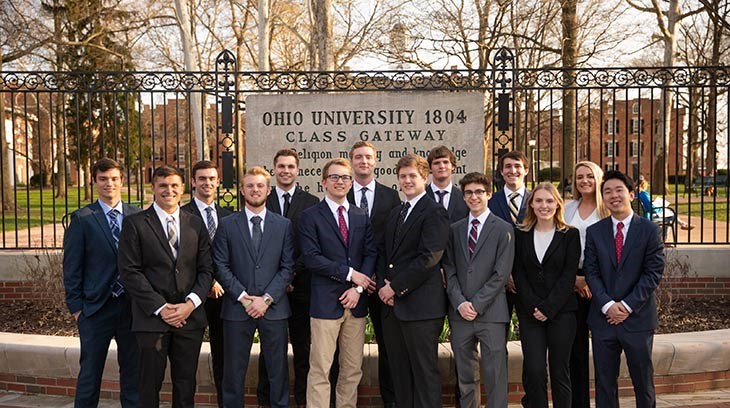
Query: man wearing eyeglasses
point(338, 249)
point(476, 273)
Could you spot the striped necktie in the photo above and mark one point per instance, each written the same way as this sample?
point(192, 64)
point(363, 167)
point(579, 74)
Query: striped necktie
point(210, 220)
point(473, 236)
point(513, 208)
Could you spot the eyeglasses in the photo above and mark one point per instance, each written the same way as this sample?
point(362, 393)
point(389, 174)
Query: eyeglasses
point(336, 177)
point(469, 193)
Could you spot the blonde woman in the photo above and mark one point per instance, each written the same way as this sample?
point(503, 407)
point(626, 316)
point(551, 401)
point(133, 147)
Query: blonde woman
point(547, 252)
point(584, 211)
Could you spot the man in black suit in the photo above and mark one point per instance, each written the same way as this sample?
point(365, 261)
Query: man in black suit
point(378, 200)
point(94, 295)
point(624, 263)
point(165, 265)
point(290, 200)
point(411, 288)
point(205, 185)
point(442, 162)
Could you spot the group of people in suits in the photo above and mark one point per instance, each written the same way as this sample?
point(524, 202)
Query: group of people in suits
point(305, 271)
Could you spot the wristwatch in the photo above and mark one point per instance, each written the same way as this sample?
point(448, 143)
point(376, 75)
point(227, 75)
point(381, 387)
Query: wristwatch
point(359, 289)
point(268, 299)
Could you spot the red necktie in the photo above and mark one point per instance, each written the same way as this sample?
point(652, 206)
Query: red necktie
point(343, 224)
point(473, 236)
point(619, 240)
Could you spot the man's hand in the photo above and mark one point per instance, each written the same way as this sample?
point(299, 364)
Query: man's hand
point(362, 280)
point(289, 288)
point(581, 287)
point(176, 315)
point(511, 285)
point(216, 291)
point(467, 311)
point(539, 315)
point(256, 308)
point(617, 313)
point(350, 298)
point(76, 315)
point(387, 294)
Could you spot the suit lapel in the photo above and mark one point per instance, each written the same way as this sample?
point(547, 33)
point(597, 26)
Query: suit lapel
point(631, 241)
point(269, 230)
point(103, 223)
point(187, 233)
point(410, 220)
point(455, 197)
point(501, 201)
point(329, 218)
point(607, 234)
point(154, 223)
point(523, 205)
point(554, 244)
point(485, 235)
point(462, 240)
point(242, 224)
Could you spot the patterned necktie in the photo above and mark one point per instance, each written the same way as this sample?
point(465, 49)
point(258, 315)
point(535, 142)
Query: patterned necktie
point(343, 225)
point(256, 234)
point(210, 220)
point(441, 194)
point(117, 287)
point(513, 209)
point(287, 203)
point(473, 235)
point(172, 235)
point(364, 199)
point(619, 240)
point(402, 217)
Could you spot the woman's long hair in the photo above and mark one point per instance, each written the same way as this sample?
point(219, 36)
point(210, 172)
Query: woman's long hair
point(597, 177)
point(531, 218)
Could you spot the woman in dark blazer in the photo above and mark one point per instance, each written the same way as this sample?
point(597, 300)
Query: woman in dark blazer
point(547, 252)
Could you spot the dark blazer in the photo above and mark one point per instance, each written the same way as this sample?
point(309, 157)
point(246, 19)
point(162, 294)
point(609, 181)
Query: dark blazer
point(329, 260)
point(413, 261)
point(546, 285)
point(385, 200)
point(89, 270)
point(457, 207)
point(634, 280)
point(239, 268)
point(300, 201)
point(152, 275)
point(192, 208)
point(498, 205)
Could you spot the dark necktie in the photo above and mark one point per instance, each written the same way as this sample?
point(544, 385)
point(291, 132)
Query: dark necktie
point(172, 236)
point(402, 217)
point(210, 220)
point(117, 287)
point(287, 203)
point(364, 199)
point(256, 233)
point(513, 209)
point(473, 235)
point(343, 225)
point(441, 194)
point(619, 241)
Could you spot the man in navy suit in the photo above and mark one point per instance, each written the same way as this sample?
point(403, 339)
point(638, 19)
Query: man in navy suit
point(205, 182)
point(254, 256)
point(338, 249)
point(442, 162)
point(624, 263)
point(94, 294)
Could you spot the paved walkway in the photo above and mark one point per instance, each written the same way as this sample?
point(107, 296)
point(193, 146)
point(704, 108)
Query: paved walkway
point(705, 399)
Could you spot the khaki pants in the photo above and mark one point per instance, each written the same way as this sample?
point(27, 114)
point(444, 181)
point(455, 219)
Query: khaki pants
point(325, 333)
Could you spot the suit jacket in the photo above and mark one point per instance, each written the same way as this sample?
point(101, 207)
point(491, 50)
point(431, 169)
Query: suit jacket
point(153, 276)
point(238, 267)
point(413, 261)
point(300, 201)
point(89, 251)
point(632, 280)
point(479, 278)
point(193, 209)
point(498, 205)
point(457, 206)
point(546, 285)
point(329, 260)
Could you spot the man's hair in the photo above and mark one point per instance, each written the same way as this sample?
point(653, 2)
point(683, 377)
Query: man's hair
point(335, 162)
point(615, 174)
point(360, 144)
point(476, 178)
point(258, 171)
point(166, 171)
point(203, 165)
point(439, 152)
point(413, 160)
point(106, 164)
point(286, 152)
point(514, 155)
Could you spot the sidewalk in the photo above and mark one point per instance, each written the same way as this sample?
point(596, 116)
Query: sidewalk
point(704, 399)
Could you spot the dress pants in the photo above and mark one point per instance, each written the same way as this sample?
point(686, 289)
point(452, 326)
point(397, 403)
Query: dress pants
point(347, 332)
point(553, 338)
point(493, 353)
point(182, 347)
point(385, 379)
point(113, 320)
point(607, 346)
point(238, 338)
point(215, 333)
point(413, 348)
point(579, 357)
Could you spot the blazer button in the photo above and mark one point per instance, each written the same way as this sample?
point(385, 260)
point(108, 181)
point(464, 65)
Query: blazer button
point(390, 266)
point(177, 270)
point(258, 266)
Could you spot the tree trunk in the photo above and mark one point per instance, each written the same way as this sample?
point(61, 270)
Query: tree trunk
point(323, 28)
point(60, 143)
point(264, 28)
point(711, 154)
point(7, 197)
point(569, 57)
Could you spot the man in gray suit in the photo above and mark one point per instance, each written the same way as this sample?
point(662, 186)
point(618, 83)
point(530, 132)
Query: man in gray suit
point(253, 252)
point(476, 273)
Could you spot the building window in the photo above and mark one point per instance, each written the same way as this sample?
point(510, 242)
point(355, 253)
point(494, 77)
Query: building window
point(635, 108)
point(637, 126)
point(637, 148)
point(611, 148)
point(610, 166)
point(612, 126)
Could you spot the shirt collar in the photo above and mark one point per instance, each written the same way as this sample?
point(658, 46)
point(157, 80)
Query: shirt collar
point(357, 186)
point(448, 188)
point(626, 220)
point(162, 214)
point(250, 214)
point(106, 208)
point(482, 217)
point(334, 206)
point(280, 192)
point(202, 206)
point(415, 199)
point(520, 191)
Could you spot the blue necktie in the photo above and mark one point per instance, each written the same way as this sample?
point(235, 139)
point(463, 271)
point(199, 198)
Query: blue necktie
point(117, 287)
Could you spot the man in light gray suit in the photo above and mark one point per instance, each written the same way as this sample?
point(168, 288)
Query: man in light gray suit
point(253, 252)
point(476, 273)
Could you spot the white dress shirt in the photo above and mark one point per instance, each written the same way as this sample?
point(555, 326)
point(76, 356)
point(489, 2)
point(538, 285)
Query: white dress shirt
point(280, 195)
point(447, 197)
point(627, 223)
point(250, 214)
point(369, 194)
point(201, 207)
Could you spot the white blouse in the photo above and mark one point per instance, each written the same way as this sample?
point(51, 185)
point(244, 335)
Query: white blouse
point(542, 242)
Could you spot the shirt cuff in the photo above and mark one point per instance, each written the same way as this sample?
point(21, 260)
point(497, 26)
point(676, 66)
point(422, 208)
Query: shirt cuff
point(458, 309)
point(157, 312)
point(607, 306)
point(242, 295)
point(627, 306)
point(196, 300)
point(349, 275)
